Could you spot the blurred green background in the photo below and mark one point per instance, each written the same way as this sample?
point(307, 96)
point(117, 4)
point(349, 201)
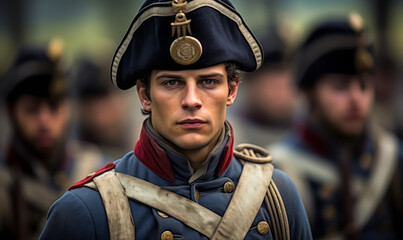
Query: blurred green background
point(86, 27)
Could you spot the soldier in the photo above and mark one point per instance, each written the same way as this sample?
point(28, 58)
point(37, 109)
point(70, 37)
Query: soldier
point(104, 115)
point(183, 180)
point(264, 114)
point(346, 169)
point(38, 165)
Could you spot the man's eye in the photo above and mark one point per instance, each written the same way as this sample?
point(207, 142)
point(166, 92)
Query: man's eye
point(171, 83)
point(209, 82)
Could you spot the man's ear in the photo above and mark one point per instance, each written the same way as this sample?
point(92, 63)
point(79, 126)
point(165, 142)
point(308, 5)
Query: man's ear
point(233, 92)
point(144, 100)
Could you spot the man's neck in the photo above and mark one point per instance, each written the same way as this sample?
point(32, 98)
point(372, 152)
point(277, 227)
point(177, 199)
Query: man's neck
point(196, 157)
point(344, 141)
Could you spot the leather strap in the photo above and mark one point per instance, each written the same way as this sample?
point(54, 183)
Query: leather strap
point(116, 206)
point(254, 181)
point(383, 171)
point(190, 213)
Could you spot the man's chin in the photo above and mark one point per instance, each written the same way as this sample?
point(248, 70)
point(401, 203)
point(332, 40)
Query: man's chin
point(352, 130)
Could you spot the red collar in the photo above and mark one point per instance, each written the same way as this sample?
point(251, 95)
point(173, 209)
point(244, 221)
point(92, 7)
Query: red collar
point(156, 159)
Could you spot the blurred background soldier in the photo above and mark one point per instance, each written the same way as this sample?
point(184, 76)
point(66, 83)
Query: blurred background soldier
point(266, 105)
point(347, 169)
point(37, 163)
point(104, 118)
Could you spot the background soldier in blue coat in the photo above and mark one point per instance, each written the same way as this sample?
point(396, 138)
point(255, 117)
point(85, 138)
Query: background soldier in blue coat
point(183, 179)
point(37, 166)
point(346, 169)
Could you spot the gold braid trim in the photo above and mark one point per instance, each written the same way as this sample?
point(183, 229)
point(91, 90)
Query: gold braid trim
point(252, 153)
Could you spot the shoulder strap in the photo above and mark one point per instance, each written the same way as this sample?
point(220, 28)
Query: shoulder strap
point(116, 206)
point(254, 180)
point(383, 171)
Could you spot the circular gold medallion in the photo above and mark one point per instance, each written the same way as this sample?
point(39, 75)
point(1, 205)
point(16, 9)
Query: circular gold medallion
point(186, 50)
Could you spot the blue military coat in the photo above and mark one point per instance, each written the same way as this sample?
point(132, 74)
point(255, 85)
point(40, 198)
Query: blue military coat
point(313, 161)
point(80, 213)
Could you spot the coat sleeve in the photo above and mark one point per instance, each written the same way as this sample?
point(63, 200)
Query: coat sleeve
point(69, 218)
point(297, 217)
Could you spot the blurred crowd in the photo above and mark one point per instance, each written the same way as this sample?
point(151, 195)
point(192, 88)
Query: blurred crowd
point(327, 106)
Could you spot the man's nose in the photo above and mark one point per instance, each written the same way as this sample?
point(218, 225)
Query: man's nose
point(356, 91)
point(45, 115)
point(191, 99)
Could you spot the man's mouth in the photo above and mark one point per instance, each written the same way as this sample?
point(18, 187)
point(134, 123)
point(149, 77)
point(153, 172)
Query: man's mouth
point(192, 123)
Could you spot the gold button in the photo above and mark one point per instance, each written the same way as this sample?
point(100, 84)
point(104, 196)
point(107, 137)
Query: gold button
point(366, 161)
point(331, 231)
point(162, 214)
point(263, 227)
point(229, 187)
point(329, 212)
point(197, 195)
point(167, 235)
point(381, 208)
point(326, 192)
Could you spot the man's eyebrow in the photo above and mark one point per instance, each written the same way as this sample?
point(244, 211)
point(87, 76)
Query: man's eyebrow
point(212, 75)
point(170, 76)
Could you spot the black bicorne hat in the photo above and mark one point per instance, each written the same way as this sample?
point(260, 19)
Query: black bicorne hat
point(336, 46)
point(36, 71)
point(181, 35)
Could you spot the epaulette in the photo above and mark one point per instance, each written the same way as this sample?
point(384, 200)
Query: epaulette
point(252, 153)
point(107, 167)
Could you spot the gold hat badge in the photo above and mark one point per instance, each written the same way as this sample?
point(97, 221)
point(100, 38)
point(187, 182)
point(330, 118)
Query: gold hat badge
point(184, 50)
point(363, 59)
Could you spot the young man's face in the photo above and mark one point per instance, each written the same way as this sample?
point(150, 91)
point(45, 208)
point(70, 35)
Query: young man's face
point(188, 107)
point(344, 102)
point(40, 124)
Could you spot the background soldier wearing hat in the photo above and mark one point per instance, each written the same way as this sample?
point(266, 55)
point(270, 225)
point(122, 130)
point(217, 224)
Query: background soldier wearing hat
point(346, 169)
point(267, 100)
point(104, 117)
point(38, 164)
point(36, 160)
point(183, 180)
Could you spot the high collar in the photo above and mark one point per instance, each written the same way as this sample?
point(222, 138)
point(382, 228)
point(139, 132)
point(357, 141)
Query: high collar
point(161, 158)
point(318, 140)
point(22, 159)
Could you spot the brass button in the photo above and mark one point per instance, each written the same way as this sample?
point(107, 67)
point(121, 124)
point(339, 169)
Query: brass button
point(366, 161)
point(162, 214)
point(263, 227)
point(331, 231)
point(381, 208)
point(197, 195)
point(229, 187)
point(326, 192)
point(329, 212)
point(167, 235)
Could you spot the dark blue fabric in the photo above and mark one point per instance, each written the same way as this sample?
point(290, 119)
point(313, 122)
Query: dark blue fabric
point(80, 214)
point(383, 224)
